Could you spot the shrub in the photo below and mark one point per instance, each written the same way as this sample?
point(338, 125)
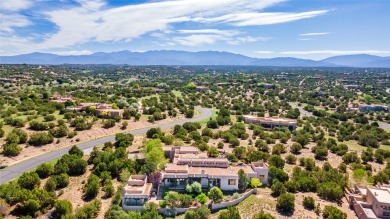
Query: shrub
point(89, 211)
point(11, 150)
point(62, 208)
point(333, 212)
point(29, 180)
point(276, 161)
point(44, 170)
point(51, 184)
point(278, 188)
point(291, 159)
point(202, 198)
point(255, 183)
point(296, 148)
point(231, 213)
point(285, 203)
point(62, 180)
point(308, 203)
point(76, 151)
point(109, 189)
point(216, 194)
point(38, 139)
point(195, 188)
point(185, 200)
point(92, 187)
point(163, 204)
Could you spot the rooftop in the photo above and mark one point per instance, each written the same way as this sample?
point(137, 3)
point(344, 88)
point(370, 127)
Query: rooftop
point(382, 195)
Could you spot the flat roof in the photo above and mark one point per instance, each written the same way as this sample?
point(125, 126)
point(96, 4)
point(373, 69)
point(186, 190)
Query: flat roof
point(382, 195)
point(369, 212)
point(213, 171)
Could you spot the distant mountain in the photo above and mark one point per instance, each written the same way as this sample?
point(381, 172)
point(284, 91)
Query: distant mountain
point(172, 57)
point(361, 60)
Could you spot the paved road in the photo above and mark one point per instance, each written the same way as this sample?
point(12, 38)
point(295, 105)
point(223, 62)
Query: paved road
point(301, 110)
point(13, 171)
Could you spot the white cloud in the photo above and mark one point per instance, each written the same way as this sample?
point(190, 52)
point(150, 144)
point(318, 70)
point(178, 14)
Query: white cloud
point(210, 36)
point(247, 39)
point(73, 52)
point(314, 34)
point(200, 39)
point(335, 52)
point(92, 21)
point(10, 21)
point(14, 5)
point(210, 31)
point(263, 52)
point(261, 18)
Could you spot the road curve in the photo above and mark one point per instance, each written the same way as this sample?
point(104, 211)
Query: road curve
point(13, 171)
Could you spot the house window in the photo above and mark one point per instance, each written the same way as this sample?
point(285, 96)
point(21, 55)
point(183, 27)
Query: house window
point(231, 182)
point(261, 177)
point(386, 212)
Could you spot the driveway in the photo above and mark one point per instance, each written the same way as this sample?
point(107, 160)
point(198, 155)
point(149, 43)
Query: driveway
point(14, 171)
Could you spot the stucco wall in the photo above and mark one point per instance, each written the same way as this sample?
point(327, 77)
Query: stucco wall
point(225, 183)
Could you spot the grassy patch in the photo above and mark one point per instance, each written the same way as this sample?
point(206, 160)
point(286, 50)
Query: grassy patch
point(177, 93)
point(213, 116)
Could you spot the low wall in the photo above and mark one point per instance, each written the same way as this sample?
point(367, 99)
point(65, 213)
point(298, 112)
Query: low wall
point(217, 206)
point(163, 211)
point(214, 206)
point(133, 208)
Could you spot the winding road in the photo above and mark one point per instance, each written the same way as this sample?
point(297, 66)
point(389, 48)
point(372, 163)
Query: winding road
point(14, 171)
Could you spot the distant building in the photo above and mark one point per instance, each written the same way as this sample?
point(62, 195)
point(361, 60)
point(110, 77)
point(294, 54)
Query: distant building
point(371, 203)
point(61, 99)
point(271, 122)
point(101, 109)
point(268, 86)
point(373, 108)
point(202, 88)
point(350, 86)
point(136, 193)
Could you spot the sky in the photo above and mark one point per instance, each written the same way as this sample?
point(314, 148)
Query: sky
point(312, 29)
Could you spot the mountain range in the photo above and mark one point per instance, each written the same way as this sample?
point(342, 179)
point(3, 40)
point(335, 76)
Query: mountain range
point(173, 57)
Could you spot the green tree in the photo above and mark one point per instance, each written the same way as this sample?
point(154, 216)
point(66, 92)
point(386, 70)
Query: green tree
point(296, 148)
point(308, 202)
point(262, 215)
point(242, 180)
point(62, 208)
point(215, 194)
point(203, 212)
point(44, 170)
point(76, 151)
point(173, 199)
point(92, 187)
point(29, 180)
point(332, 212)
point(278, 188)
point(255, 183)
point(11, 149)
point(285, 203)
point(231, 213)
point(276, 161)
point(202, 198)
point(185, 200)
point(154, 156)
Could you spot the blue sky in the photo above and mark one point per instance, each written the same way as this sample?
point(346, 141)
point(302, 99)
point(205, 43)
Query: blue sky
point(312, 29)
